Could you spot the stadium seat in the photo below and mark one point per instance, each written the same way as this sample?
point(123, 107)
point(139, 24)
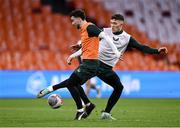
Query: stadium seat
point(33, 37)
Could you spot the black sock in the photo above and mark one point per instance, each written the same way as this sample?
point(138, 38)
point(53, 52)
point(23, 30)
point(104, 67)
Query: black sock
point(63, 84)
point(76, 96)
point(72, 84)
point(114, 98)
point(83, 95)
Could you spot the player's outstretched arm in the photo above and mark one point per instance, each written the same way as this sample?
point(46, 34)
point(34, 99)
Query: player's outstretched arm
point(74, 55)
point(146, 49)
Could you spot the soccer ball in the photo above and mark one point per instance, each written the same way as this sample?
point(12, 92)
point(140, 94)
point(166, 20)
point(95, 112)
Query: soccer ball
point(55, 101)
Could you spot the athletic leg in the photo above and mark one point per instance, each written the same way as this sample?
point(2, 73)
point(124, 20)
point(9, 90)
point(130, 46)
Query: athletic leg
point(113, 80)
point(106, 74)
point(63, 84)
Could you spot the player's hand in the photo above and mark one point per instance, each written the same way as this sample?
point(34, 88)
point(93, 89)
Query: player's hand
point(69, 59)
point(75, 47)
point(162, 50)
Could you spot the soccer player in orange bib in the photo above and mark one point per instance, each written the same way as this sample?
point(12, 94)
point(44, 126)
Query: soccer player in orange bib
point(90, 36)
point(108, 60)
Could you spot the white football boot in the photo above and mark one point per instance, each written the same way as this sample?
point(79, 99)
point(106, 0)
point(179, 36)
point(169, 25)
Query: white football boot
point(107, 116)
point(44, 92)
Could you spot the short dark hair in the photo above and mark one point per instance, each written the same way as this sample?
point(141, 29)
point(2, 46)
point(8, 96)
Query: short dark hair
point(117, 17)
point(78, 13)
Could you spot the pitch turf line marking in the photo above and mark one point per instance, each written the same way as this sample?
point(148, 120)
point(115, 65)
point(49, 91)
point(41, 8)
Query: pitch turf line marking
point(39, 109)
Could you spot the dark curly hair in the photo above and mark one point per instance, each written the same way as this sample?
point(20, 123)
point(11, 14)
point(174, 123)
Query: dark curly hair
point(78, 13)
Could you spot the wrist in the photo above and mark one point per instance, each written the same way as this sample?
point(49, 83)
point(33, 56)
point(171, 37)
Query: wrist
point(72, 56)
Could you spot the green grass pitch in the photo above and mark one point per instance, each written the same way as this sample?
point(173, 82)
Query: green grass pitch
point(129, 113)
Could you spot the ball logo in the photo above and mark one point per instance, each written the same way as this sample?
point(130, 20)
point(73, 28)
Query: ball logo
point(35, 83)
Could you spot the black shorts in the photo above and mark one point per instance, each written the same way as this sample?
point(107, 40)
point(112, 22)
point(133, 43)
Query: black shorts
point(87, 69)
point(106, 74)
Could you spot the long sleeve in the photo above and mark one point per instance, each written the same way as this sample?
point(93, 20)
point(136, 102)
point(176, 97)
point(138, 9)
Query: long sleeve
point(146, 49)
point(93, 31)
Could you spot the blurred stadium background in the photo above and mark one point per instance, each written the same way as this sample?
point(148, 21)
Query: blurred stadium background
point(35, 36)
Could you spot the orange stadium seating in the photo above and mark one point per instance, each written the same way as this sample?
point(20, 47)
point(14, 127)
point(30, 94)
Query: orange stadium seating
point(32, 37)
